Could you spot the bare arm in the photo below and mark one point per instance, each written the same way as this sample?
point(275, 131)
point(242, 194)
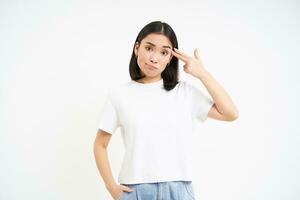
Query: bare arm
point(223, 108)
point(102, 161)
point(101, 157)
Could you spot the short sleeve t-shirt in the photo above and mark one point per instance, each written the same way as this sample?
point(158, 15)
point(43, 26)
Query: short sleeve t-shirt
point(156, 127)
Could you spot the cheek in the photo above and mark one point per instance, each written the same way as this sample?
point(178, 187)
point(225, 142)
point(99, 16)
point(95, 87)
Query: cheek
point(141, 61)
point(165, 60)
point(143, 57)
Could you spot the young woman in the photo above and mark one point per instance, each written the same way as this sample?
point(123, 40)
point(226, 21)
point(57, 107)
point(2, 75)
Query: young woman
point(155, 112)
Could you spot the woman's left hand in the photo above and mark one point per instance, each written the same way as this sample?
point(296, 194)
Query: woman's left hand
point(193, 65)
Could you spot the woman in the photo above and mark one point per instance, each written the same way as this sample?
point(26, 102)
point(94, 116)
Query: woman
point(155, 112)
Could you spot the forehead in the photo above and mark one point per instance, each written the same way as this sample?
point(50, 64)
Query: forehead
point(159, 40)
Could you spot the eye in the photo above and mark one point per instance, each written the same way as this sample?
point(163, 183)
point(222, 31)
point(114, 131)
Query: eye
point(147, 48)
point(166, 53)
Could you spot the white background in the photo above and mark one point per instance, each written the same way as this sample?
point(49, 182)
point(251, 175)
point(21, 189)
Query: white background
point(59, 58)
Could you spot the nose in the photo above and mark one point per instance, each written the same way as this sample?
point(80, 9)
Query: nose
point(153, 58)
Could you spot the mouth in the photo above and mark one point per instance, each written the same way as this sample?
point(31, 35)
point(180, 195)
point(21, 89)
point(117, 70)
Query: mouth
point(151, 66)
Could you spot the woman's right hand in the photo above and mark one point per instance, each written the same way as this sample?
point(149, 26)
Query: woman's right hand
point(117, 191)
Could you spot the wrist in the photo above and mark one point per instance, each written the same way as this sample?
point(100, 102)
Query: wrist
point(203, 75)
point(111, 186)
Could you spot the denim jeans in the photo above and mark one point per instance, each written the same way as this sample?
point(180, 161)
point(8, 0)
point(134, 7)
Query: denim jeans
point(171, 190)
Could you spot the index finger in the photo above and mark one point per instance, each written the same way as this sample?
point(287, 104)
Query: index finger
point(181, 53)
point(181, 57)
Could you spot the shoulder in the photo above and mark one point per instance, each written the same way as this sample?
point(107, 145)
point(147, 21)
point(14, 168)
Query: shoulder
point(194, 91)
point(118, 90)
point(186, 86)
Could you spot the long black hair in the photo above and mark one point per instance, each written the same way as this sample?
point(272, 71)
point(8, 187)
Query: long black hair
point(170, 74)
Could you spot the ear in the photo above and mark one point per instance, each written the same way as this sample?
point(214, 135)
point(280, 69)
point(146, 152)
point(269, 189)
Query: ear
point(136, 46)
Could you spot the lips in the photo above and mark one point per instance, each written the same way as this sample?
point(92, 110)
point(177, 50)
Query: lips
point(151, 66)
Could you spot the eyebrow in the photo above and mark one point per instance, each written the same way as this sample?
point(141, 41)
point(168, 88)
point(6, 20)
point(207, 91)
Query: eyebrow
point(155, 45)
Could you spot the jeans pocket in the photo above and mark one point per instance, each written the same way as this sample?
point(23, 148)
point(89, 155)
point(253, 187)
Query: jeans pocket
point(121, 196)
point(188, 185)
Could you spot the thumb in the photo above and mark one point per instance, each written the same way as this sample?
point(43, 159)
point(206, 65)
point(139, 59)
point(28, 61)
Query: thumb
point(125, 188)
point(196, 53)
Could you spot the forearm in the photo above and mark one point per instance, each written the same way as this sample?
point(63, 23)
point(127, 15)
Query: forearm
point(103, 165)
point(223, 101)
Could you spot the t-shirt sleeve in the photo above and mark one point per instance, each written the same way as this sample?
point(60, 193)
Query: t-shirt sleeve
point(200, 103)
point(109, 120)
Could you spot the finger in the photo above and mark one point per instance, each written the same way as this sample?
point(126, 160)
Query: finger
point(179, 56)
point(196, 53)
point(127, 189)
point(181, 53)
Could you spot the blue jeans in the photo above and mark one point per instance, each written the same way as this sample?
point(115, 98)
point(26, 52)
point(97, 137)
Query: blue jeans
point(171, 190)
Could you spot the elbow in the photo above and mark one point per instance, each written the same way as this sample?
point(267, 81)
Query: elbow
point(233, 116)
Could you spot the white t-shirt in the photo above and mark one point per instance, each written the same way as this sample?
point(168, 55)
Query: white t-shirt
point(156, 127)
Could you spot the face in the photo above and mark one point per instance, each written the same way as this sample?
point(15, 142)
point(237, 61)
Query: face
point(153, 54)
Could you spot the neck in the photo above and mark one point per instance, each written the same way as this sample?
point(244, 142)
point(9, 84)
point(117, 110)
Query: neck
point(149, 80)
